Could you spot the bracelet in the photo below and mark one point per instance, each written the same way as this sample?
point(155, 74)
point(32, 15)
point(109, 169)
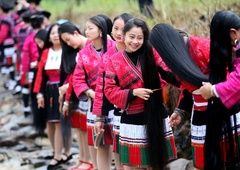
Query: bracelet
point(66, 104)
point(100, 119)
point(39, 95)
point(180, 112)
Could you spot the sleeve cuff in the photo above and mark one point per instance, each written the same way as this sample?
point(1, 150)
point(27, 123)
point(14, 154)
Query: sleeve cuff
point(215, 91)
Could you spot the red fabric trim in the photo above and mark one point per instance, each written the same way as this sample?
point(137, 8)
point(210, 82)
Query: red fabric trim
point(41, 66)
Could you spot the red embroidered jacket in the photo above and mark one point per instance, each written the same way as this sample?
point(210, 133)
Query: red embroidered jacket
point(86, 71)
point(129, 77)
point(99, 93)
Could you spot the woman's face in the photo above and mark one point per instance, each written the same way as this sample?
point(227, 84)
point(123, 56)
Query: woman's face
point(92, 31)
point(71, 40)
point(54, 37)
point(134, 39)
point(117, 30)
point(39, 42)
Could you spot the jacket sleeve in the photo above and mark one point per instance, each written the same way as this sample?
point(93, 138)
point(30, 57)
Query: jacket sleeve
point(25, 58)
point(115, 94)
point(4, 32)
point(101, 105)
point(33, 51)
point(80, 78)
point(229, 91)
point(70, 88)
point(40, 78)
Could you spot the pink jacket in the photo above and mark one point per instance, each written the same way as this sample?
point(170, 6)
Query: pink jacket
point(98, 100)
point(29, 53)
point(6, 28)
point(229, 91)
point(86, 71)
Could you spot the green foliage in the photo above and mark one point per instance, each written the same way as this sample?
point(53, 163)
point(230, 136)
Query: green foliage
point(192, 16)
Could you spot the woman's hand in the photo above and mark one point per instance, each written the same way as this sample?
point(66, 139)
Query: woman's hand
point(65, 110)
point(92, 94)
point(63, 89)
point(60, 100)
point(98, 126)
point(175, 119)
point(206, 90)
point(142, 93)
point(40, 101)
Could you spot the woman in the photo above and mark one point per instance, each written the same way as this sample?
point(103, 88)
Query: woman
point(101, 106)
point(222, 133)
point(46, 87)
point(29, 61)
point(188, 58)
point(7, 48)
point(39, 115)
point(86, 72)
point(72, 41)
point(132, 83)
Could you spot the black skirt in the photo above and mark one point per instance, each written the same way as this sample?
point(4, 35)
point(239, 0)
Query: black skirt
point(51, 103)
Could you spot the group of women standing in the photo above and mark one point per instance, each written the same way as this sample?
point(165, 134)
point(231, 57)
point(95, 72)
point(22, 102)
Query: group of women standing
point(111, 81)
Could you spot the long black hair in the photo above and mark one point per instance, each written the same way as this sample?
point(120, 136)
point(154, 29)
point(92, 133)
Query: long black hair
point(108, 22)
point(68, 53)
point(220, 61)
point(170, 44)
point(124, 16)
point(68, 62)
point(42, 35)
point(154, 111)
point(102, 25)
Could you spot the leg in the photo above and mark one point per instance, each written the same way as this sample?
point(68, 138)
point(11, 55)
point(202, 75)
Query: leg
point(50, 133)
point(104, 157)
point(93, 154)
point(25, 97)
point(117, 163)
point(58, 141)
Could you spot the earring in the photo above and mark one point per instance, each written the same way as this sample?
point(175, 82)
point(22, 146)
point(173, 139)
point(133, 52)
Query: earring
point(236, 42)
point(100, 34)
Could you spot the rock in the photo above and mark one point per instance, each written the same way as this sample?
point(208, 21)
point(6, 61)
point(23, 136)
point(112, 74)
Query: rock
point(179, 164)
point(19, 148)
point(42, 141)
point(4, 120)
point(37, 162)
point(10, 141)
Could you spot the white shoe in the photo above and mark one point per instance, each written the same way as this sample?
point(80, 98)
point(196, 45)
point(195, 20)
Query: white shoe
point(4, 70)
point(11, 84)
point(17, 90)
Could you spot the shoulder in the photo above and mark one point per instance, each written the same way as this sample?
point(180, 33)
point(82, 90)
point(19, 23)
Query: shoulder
point(117, 56)
point(110, 43)
point(86, 48)
point(112, 50)
point(45, 53)
point(194, 40)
